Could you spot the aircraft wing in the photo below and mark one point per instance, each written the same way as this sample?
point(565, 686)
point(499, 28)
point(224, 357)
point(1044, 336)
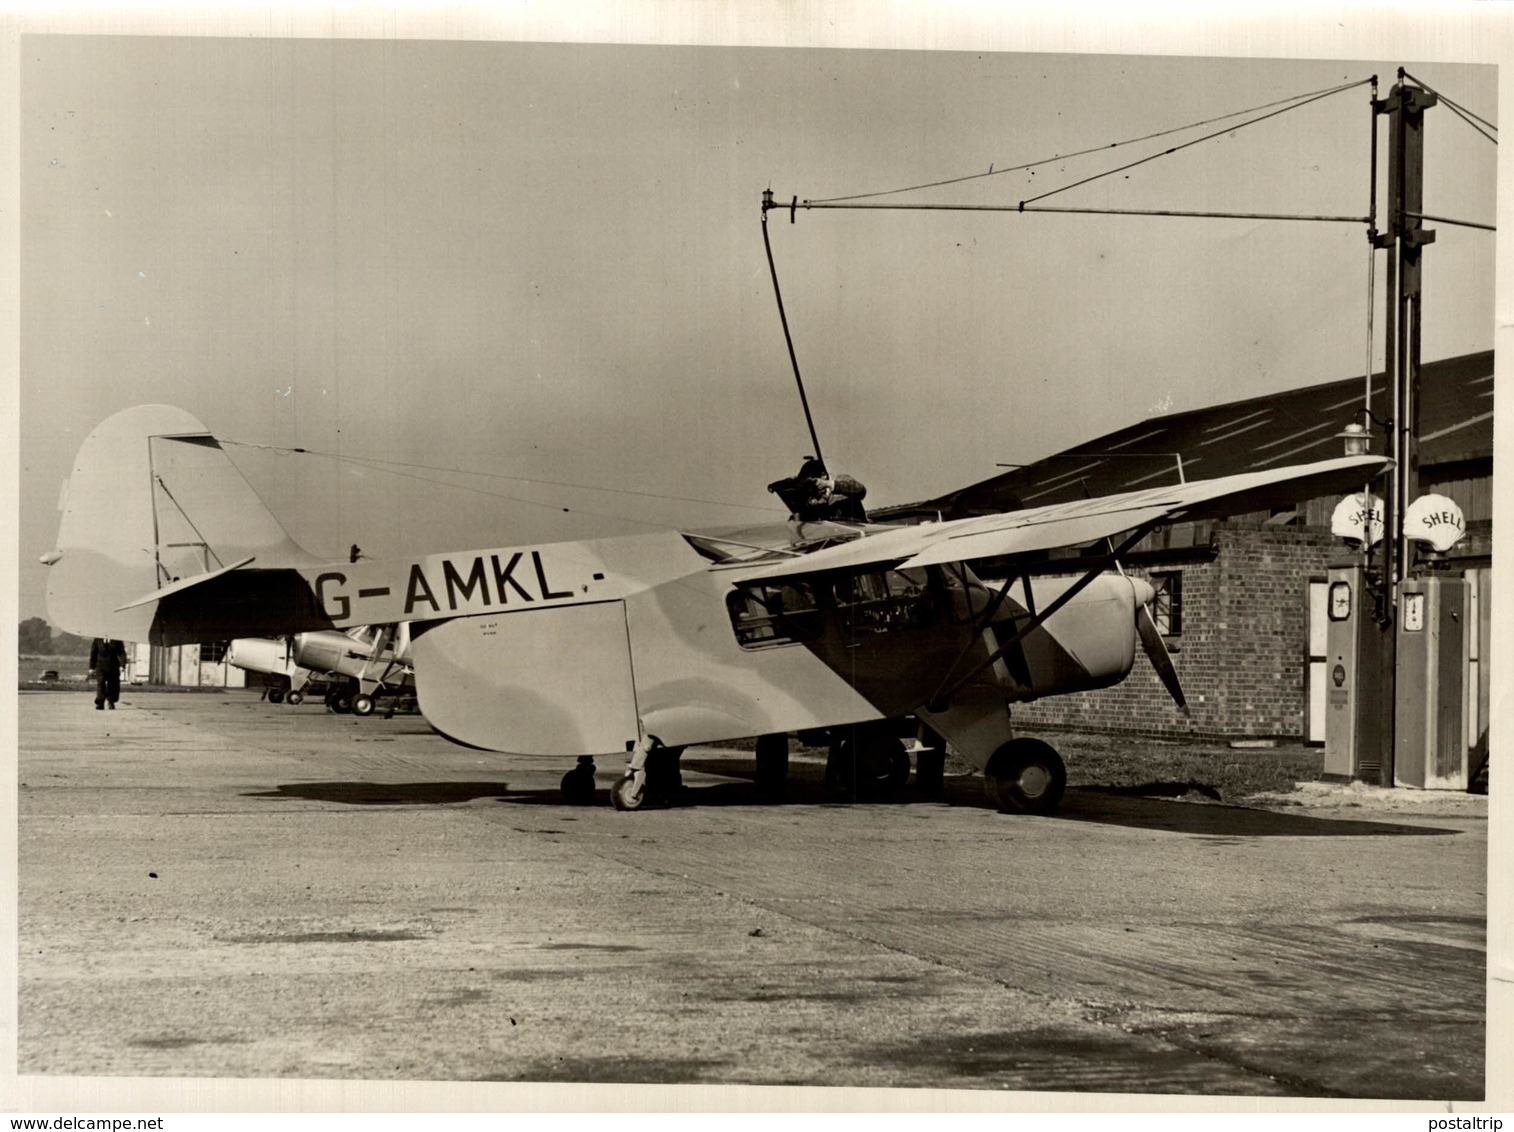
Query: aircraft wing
point(1083, 521)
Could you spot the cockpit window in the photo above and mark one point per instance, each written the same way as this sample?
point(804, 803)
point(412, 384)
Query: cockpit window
point(966, 598)
point(879, 600)
point(781, 613)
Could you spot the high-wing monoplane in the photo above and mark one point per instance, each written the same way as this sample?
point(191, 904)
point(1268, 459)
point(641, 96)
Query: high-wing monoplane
point(641, 645)
point(367, 662)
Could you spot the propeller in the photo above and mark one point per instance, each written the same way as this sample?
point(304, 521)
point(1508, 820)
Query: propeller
point(1152, 642)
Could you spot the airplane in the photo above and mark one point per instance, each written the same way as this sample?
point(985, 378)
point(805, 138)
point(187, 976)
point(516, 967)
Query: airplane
point(644, 644)
point(272, 657)
point(370, 661)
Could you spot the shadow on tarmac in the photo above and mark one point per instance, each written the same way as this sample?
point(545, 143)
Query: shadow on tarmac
point(389, 793)
point(805, 787)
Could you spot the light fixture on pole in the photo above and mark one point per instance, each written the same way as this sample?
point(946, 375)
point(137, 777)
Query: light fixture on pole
point(1357, 440)
point(1356, 436)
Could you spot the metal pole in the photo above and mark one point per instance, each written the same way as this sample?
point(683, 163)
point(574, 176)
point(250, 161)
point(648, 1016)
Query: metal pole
point(767, 204)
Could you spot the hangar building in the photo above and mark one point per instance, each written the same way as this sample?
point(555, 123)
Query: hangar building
point(1241, 602)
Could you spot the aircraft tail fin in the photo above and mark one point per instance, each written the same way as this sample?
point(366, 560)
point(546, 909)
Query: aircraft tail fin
point(152, 499)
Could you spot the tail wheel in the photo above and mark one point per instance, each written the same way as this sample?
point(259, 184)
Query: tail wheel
point(362, 704)
point(1027, 775)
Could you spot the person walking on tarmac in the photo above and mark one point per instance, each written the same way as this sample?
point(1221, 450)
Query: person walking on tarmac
point(105, 660)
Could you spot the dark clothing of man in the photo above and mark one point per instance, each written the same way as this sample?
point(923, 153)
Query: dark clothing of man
point(813, 496)
point(105, 660)
point(846, 500)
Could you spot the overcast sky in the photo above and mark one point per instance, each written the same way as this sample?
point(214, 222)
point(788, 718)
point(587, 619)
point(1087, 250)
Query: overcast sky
point(545, 261)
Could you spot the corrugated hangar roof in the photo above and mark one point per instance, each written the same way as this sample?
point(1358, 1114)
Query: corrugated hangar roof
point(1456, 424)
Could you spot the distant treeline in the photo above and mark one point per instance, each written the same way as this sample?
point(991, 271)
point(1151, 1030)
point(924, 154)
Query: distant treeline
point(35, 637)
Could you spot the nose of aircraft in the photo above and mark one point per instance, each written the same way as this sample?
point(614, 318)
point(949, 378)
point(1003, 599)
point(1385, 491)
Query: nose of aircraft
point(1143, 591)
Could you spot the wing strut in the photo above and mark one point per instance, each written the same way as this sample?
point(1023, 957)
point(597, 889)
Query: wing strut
point(942, 698)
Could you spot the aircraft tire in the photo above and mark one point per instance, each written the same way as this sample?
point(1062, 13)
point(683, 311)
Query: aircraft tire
point(772, 764)
point(664, 782)
point(626, 795)
point(883, 768)
point(868, 766)
point(1026, 776)
point(341, 702)
point(362, 704)
point(275, 695)
point(578, 786)
point(930, 763)
point(930, 772)
point(295, 698)
point(840, 770)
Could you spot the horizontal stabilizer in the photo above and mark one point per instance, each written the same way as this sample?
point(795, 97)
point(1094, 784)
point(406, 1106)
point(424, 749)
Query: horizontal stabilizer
point(184, 584)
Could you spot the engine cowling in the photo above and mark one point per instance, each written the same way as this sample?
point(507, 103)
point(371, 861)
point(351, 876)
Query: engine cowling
point(261, 654)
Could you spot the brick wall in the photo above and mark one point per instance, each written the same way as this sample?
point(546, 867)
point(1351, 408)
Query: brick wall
point(1242, 653)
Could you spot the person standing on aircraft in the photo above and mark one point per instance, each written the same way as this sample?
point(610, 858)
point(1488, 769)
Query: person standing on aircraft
point(105, 660)
point(814, 495)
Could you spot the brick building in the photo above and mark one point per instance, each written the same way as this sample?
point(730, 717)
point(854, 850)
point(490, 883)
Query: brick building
point(1241, 601)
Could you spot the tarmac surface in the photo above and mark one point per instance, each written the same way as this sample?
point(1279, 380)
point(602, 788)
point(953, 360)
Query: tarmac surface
point(213, 886)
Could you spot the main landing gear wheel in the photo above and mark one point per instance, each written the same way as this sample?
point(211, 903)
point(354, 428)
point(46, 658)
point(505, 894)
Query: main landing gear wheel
point(772, 765)
point(930, 764)
point(295, 698)
point(1026, 775)
point(362, 704)
point(629, 793)
point(664, 781)
point(275, 695)
point(652, 776)
point(867, 766)
point(578, 783)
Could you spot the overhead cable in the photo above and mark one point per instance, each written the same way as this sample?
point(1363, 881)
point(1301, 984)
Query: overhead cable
point(1449, 101)
point(378, 463)
point(993, 172)
point(1196, 141)
point(1451, 106)
point(1093, 211)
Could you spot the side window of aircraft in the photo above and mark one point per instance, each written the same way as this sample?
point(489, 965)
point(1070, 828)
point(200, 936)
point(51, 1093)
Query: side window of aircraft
point(965, 600)
point(1167, 606)
point(777, 614)
point(880, 600)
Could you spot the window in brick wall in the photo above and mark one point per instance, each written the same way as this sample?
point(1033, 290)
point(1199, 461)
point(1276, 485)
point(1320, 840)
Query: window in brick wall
point(212, 652)
point(1167, 606)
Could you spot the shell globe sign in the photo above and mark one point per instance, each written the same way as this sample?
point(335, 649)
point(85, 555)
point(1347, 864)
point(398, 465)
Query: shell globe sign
point(1435, 520)
point(1431, 519)
point(1359, 518)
